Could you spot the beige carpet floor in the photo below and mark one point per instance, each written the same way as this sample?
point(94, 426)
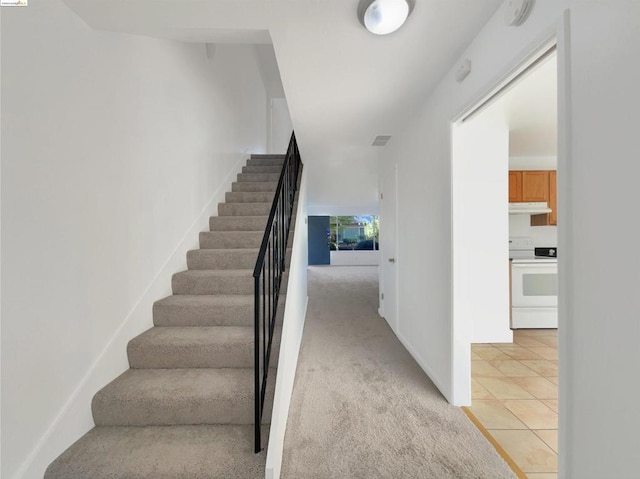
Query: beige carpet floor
point(362, 407)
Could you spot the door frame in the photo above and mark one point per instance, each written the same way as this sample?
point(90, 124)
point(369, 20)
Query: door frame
point(395, 322)
point(460, 323)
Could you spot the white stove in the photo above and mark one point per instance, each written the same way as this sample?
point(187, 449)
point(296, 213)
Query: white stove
point(534, 285)
point(522, 249)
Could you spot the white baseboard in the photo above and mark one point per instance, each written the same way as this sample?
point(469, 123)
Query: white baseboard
point(425, 367)
point(74, 418)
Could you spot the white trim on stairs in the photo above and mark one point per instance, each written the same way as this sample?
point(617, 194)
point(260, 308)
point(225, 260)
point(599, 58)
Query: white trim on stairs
point(292, 328)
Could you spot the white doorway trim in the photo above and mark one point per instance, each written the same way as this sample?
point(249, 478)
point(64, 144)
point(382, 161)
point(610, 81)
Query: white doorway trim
point(388, 283)
point(461, 322)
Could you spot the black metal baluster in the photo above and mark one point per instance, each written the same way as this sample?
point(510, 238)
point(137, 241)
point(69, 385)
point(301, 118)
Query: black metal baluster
point(269, 268)
point(256, 352)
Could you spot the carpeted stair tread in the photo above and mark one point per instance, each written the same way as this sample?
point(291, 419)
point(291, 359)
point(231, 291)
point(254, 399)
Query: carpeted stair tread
point(267, 156)
point(249, 196)
point(206, 259)
point(254, 186)
point(232, 281)
point(161, 452)
point(222, 258)
point(244, 209)
point(204, 310)
point(265, 161)
point(230, 239)
point(241, 223)
point(207, 310)
point(208, 281)
point(262, 169)
point(238, 223)
point(163, 397)
point(270, 177)
point(194, 347)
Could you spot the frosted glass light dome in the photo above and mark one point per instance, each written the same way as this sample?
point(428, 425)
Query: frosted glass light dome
point(385, 16)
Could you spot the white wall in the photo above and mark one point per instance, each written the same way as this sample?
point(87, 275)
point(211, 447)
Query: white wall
point(520, 225)
point(355, 258)
point(351, 189)
point(533, 162)
point(1, 354)
point(480, 231)
point(116, 149)
point(280, 126)
point(292, 327)
point(597, 175)
point(599, 281)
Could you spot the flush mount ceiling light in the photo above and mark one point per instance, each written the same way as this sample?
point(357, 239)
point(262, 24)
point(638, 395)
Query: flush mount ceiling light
point(517, 11)
point(383, 16)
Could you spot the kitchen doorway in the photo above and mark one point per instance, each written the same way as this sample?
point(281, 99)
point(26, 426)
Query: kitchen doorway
point(504, 166)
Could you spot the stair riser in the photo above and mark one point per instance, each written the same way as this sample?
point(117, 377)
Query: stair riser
point(262, 169)
point(221, 259)
point(243, 223)
point(178, 409)
point(183, 284)
point(254, 186)
point(148, 412)
point(265, 162)
point(249, 197)
point(178, 316)
point(237, 223)
point(267, 156)
point(204, 259)
point(169, 315)
point(186, 284)
point(194, 356)
point(258, 177)
point(244, 209)
point(231, 240)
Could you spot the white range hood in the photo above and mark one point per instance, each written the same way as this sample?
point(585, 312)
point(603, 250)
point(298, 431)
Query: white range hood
point(537, 208)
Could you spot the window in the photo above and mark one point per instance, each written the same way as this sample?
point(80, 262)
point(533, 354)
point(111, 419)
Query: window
point(354, 233)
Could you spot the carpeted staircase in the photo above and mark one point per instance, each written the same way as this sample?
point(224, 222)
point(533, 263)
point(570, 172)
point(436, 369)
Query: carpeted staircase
point(185, 409)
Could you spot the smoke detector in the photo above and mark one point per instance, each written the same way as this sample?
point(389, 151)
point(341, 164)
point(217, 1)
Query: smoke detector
point(517, 11)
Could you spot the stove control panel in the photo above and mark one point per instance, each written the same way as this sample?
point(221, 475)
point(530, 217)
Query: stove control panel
point(547, 252)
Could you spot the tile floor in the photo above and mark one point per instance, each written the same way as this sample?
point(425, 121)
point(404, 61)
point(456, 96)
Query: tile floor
point(515, 397)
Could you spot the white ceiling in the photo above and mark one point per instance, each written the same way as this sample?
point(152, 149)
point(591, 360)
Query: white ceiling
point(343, 85)
point(529, 110)
point(531, 113)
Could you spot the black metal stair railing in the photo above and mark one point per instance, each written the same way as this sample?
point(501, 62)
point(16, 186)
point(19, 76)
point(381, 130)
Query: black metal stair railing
point(268, 276)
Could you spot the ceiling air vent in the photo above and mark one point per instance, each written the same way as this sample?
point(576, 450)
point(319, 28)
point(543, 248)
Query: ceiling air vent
point(381, 140)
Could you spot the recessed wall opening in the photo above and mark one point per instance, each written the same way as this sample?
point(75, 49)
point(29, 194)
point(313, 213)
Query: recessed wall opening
point(505, 257)
point(352, 240)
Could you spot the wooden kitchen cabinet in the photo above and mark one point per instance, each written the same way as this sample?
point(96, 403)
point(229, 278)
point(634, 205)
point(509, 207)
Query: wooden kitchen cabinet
point(528, 186)
point(553, 197)
point(535, 186)
point(515, 186)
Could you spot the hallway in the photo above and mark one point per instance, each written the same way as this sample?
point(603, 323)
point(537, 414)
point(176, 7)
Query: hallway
point(362, 407)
